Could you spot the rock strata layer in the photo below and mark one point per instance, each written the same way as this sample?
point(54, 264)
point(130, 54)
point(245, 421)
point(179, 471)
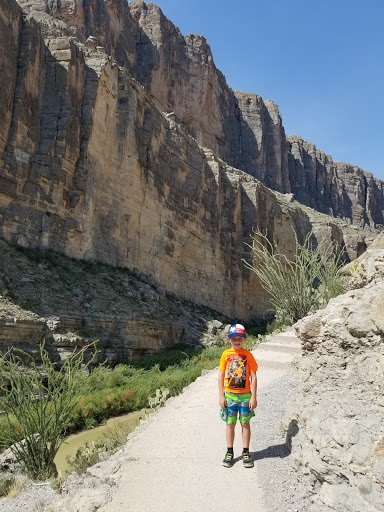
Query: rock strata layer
point(336, 188)
point(47, 298)
point(241, 128)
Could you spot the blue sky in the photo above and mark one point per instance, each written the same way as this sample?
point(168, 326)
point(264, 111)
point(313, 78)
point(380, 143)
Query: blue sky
point(321, 61)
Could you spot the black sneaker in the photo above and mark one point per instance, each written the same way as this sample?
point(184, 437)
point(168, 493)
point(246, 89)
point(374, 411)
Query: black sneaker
point(247, 460)
point(228, 460)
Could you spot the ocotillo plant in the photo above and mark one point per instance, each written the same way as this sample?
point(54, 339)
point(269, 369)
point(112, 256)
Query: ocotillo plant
point(37, 399)
point(299, 286)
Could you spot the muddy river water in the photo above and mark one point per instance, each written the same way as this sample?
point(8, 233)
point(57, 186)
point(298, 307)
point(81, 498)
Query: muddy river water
point(127, 422)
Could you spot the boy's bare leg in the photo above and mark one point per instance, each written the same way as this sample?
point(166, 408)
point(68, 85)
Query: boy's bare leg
point(230, 435)
point(246, 434)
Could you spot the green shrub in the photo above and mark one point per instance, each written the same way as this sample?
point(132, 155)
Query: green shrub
point(85, 456)
point(277, 325)
point(88, 454)
point(159, 399)
point(94, 408)
point(116, 436)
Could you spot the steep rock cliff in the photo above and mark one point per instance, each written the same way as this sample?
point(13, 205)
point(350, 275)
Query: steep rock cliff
point(245, 131)
point(101, 173)
point(336, 188)
point(264, 147)
point(242, 128)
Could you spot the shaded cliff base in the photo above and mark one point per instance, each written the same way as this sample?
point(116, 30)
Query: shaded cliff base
point(47, 297)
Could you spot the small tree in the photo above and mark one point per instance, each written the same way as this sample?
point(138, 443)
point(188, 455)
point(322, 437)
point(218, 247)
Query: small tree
point(299, 286)
point(38, 399)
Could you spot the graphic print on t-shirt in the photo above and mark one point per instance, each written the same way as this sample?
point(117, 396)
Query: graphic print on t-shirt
point(236, 376)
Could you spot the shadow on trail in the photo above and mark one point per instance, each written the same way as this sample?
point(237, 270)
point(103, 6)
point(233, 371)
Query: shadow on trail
point(278, 451)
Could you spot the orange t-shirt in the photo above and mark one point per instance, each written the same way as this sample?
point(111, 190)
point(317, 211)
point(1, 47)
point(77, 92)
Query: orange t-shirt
point(237, 365)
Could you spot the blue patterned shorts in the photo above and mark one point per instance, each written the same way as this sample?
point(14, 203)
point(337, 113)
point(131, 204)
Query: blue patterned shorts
point(237, 404)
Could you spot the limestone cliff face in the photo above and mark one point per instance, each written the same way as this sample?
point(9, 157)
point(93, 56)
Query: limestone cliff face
point(92, 168)
point(242, 128)
point(181, 78)
point(10, 21)
point(178, 72)
point(264, 146)
point(335, 188)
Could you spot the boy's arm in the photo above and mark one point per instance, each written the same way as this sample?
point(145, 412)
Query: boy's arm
point(222, 401)
point(253, 400)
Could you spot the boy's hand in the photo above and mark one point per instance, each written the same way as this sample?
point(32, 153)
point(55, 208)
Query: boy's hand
point(223, 402)
point(253, 403)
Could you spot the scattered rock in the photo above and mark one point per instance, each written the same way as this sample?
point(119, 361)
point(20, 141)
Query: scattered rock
point(8, 462)
point(92, 42)
point(213, 326)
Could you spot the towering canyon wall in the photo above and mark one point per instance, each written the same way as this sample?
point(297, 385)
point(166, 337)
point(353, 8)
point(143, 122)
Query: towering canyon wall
point(245, 131)
point(264, 147)
point(92, 167)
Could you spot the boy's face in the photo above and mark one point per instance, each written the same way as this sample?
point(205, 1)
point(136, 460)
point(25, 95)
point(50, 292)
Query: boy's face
point(237, 342)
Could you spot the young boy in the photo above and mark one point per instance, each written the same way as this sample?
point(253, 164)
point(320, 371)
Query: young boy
point(237, 392)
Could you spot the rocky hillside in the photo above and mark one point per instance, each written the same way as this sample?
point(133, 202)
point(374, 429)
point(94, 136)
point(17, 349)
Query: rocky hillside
point(338, 430)
point(106, 108)
point(49, 298)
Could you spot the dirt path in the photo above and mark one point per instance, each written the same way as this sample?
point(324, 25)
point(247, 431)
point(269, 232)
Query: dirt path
point(174, 462)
